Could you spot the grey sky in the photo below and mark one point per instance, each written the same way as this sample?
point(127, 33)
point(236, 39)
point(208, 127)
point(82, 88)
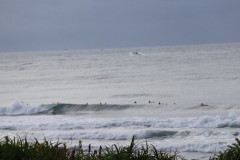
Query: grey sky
point(81, 24)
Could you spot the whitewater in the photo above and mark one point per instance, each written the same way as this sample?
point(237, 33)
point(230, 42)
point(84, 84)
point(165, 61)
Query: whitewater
point(178, 98)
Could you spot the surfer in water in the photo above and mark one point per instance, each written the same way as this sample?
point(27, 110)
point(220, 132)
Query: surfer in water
point(54, 111)
point(202, 104)
point(151, 101)
point(136, 53)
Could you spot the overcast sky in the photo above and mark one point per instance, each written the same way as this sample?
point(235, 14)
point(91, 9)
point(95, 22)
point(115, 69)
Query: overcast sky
point(29, 25)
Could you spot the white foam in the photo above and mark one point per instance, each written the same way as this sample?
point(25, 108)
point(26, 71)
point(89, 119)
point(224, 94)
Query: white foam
point(199, 147)
point(20, 108)
point(176, 134)
point(231, 120)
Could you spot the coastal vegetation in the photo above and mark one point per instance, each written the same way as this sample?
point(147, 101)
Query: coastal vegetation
point(231, 153)
point(23, 149)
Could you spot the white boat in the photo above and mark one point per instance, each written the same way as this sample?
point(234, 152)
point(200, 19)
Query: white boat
point(136, 53)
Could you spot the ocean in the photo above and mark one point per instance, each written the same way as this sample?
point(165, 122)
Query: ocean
point(178, 98)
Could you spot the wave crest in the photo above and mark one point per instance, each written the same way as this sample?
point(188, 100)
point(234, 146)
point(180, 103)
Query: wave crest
point(19, 108)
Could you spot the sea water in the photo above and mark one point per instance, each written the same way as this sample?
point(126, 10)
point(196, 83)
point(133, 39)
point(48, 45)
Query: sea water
point(106, 96)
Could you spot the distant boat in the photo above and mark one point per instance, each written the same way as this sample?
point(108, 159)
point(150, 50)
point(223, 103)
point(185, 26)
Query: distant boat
point(136, 53)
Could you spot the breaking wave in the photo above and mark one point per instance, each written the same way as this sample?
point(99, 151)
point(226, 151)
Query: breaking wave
point(19, 108)
point(231, 120)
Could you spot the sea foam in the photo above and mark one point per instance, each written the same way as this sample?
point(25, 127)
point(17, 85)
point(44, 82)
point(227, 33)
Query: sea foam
point(20, 108)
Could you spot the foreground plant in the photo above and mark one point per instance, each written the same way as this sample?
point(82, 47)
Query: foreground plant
point(134, 152)
point(18, 149)
point(21, 149)
point(231, 153)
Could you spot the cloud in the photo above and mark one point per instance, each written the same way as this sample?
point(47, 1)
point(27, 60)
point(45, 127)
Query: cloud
point(76, 24)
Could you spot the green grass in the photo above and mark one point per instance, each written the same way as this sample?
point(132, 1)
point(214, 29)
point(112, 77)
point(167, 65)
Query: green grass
point(22, 149)
point(231, 153)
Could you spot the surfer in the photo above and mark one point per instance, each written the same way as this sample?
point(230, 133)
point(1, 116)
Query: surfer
point(202, 104)
point(54, 111)
point(151, 101)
